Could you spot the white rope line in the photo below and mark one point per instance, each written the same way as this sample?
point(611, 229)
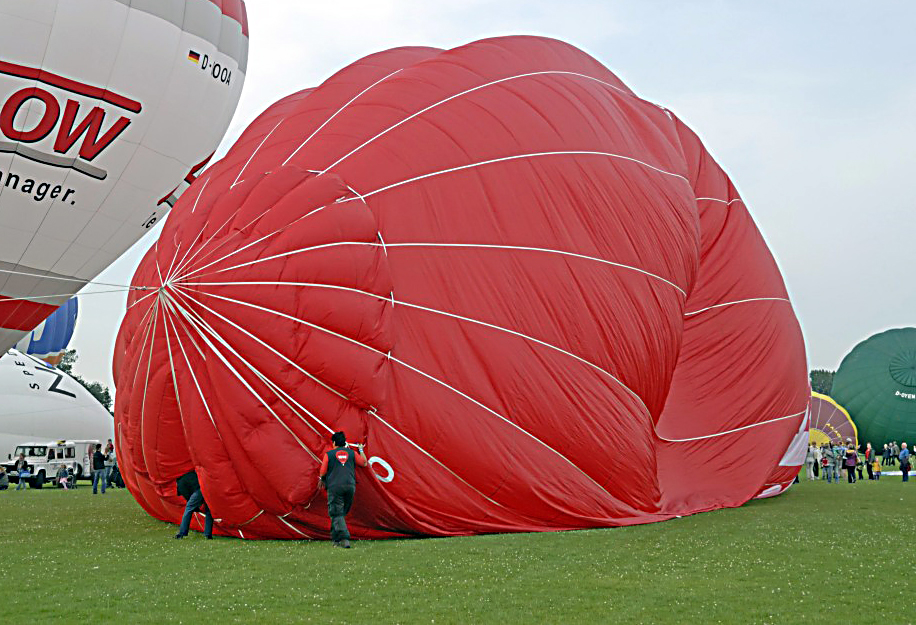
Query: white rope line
point(185, 262)
point(7, 298)
point(540, 249)
point(185, 278)
point(521, 156)
point(502, 418)
point(149, 363)
point(156, 257)
point(454, 316)
point(148, 295)
point(465, 92)
point(168, 272)
point(436, 460)
point(285, 522)
point(200, 392)
point(404, 364)
point(197, 323)
point(340, 110)
point(147, 321)
point(386, 423)
point(740, 301)
point(199, 195)
point(746, 427)
point(281, 395)
point(168, 343)
point(533, 340)
point(285, 316)
point(272, 350)
point(726, 202)
point(63, 279)
point(256, 150)
point(221, 244)
point(243, 248)
point(251, 519)
point(386, 246)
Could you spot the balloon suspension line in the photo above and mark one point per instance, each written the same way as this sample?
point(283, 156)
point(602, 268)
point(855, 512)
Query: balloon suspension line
point(118, 288)
point(35, 298)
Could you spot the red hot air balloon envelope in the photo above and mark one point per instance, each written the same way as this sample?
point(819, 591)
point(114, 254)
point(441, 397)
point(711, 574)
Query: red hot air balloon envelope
point(533, 295)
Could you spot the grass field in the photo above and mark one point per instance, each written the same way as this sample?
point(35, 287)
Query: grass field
point(813, 555)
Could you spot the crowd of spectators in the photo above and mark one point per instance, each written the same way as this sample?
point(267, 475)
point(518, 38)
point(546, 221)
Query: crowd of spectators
point(828, 461)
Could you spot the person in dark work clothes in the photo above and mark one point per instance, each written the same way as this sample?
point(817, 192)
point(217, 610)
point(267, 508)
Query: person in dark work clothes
point(338, 475)
point(99, 474)
point(189, 487)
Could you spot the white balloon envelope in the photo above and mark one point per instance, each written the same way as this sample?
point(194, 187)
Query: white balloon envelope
point(41, 403)
point(108, 110)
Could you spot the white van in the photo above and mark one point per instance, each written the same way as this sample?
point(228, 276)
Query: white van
point(45, 459)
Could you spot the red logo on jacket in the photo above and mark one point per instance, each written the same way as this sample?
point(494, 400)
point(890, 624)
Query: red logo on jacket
point(342, 456)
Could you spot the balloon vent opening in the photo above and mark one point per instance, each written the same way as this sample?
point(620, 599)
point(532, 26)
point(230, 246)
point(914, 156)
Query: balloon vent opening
point(903, 368)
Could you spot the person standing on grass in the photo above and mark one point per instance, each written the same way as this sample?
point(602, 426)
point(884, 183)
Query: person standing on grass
point(22, 470)
point(809, 462)
point(851, 459)
point(99, 474)
point(4, 479)
point(109, 462)
point(877, 469)
point(869, 459)
point(905, 462)
point(188, 486)
point(886, 455)
point(338, 476)
point(828, 462)
point(839, 458)
point(895, 453)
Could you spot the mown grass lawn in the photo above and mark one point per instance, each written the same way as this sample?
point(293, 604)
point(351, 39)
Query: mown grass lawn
point(817, 554)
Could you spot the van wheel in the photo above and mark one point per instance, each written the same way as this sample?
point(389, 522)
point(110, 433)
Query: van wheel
point(39, 480)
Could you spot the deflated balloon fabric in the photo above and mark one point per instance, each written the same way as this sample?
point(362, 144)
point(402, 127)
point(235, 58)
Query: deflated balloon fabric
point(533, 296)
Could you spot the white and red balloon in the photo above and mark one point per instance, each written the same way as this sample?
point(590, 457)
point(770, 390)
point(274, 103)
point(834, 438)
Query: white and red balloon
point(108, 110)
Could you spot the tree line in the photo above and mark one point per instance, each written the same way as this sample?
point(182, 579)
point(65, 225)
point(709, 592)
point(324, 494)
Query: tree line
point(96, 389)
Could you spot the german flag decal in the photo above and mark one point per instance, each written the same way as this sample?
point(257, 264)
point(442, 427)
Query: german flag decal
point(193, 56)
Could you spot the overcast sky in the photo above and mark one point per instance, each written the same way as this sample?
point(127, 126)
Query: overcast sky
point(809, 106)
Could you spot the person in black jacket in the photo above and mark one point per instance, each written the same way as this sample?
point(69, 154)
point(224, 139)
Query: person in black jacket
point(338, 475)
point(99, 474)
point(188, 487)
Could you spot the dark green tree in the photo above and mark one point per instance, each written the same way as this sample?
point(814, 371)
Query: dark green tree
point(67, 361)
point(97, 389)
point(821, 381)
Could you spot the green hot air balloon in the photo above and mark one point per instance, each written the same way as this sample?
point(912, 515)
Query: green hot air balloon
point(876, 383)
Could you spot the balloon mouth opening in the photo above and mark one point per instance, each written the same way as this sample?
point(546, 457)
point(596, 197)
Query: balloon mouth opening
point(903, 368)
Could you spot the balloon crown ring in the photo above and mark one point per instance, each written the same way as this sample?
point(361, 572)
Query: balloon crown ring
point(902, 368)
